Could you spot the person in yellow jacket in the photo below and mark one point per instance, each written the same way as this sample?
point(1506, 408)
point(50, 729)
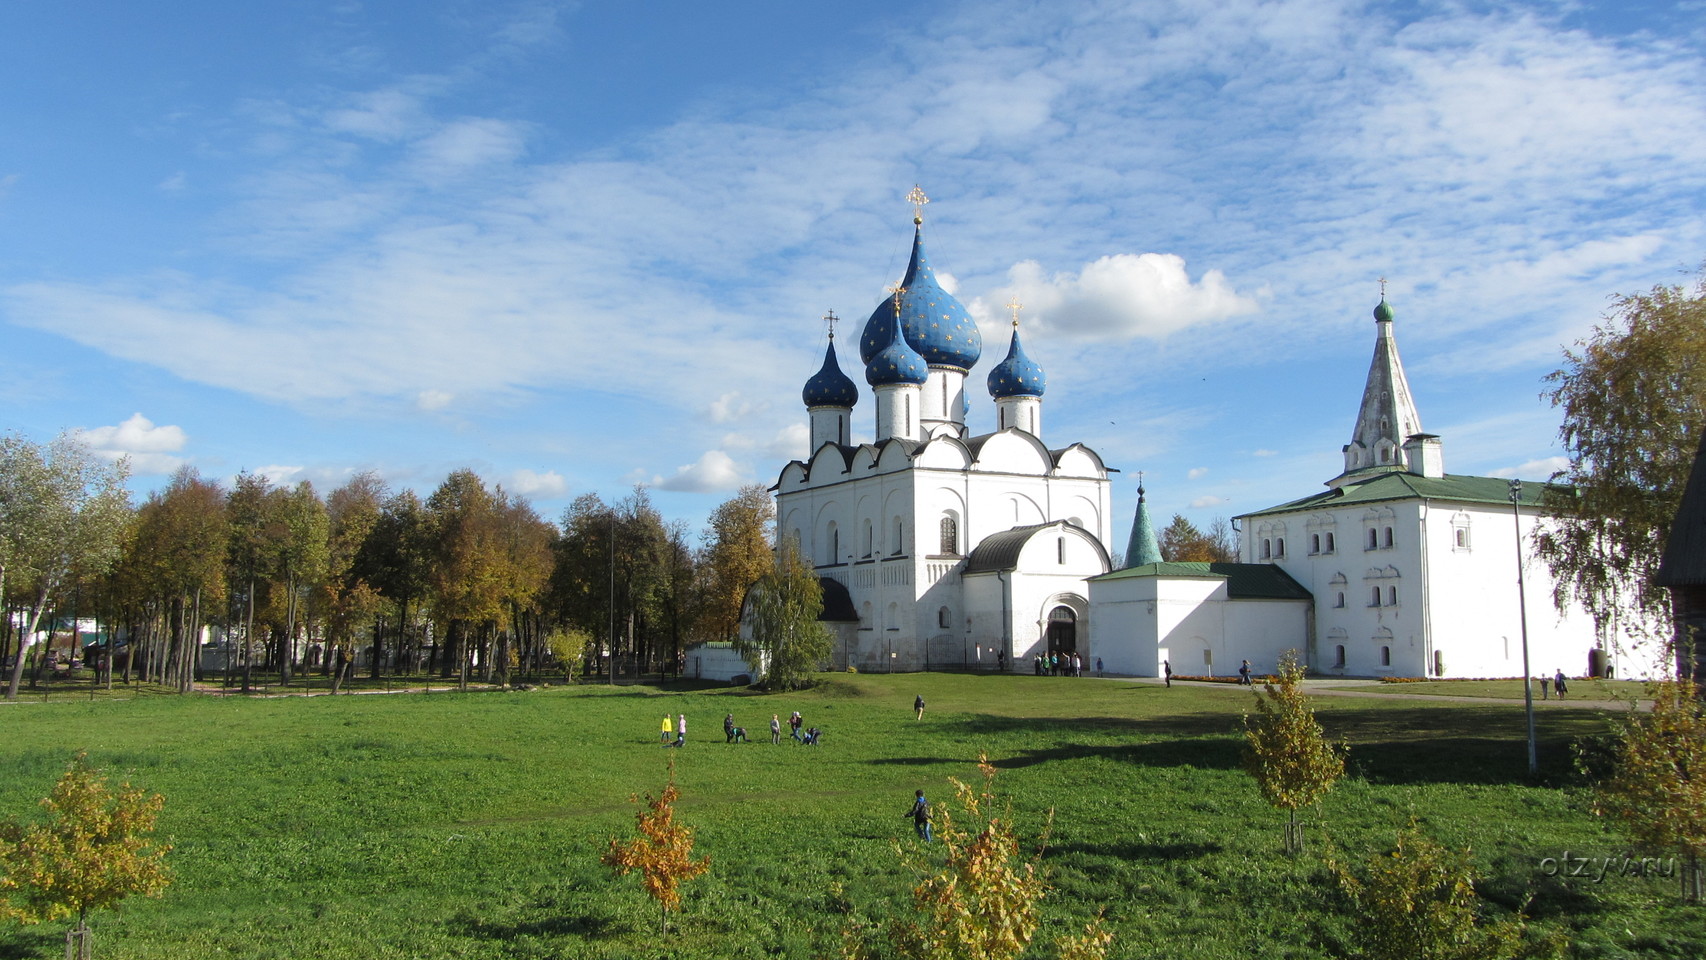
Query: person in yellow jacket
point(668, 729)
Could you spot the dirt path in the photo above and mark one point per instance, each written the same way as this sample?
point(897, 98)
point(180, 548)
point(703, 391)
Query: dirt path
point(1350, 688)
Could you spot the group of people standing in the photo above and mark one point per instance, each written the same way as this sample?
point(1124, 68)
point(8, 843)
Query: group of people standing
point(1555, 685)
point(734, 733)
point(1058, 664)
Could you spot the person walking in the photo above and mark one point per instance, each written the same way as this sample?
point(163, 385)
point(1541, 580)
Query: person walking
point(728, 727)
point(775, 729)
point(1167, 671)
point(681, 730)
point(668, 731)
point(1558, 683)
point(1545, 687)
point(918, 706)
point(920, 814)
point(1098, 666)
point(794, 726)
point(1244, 673)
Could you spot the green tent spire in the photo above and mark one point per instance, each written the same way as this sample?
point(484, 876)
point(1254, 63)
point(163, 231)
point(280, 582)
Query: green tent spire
point(1143, 547)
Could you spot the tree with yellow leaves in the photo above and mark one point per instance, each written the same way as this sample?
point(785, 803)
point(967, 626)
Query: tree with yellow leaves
point(92, 852)
point(984, 903)
point(1286, 750)
point(1658, 788)
point(662, 853)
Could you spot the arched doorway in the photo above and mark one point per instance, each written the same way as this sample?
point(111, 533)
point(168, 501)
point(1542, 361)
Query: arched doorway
point(1062, 630)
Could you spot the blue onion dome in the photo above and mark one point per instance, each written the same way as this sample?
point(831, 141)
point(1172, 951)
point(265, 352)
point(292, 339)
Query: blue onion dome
point(1018, 375)
point(896, 362)
point(1383, 313)
point(829, 387)
point(935, 324)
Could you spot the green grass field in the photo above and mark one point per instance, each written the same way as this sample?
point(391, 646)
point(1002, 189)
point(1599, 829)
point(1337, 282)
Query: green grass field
point(1602, 690)
point(469, 825)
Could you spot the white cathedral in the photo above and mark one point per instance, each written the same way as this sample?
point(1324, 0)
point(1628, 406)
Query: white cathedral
point(941, 547)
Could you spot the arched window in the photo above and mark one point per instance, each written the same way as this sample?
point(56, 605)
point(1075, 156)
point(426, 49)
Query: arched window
point(1375, 600)
point(870, 537)
point(899, 540)
point(1315, 543)
point(1388, 537)
point(1341, 601)
point(944, 619)
point(833, 542)
point(1060, 549)
point(1339, 656)
point(1386, 656)
point(1279, 547)
point(1462, 538)
point(1392, 596)
point(950, 537)
point(1267, 548)
point(1330, 546)
point(1373, 539)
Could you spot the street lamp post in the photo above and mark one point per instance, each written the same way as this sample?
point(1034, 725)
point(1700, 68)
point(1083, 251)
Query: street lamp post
point(1522, 606)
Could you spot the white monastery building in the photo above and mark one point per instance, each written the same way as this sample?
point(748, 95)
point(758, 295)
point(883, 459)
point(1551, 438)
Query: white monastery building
point(939, 546)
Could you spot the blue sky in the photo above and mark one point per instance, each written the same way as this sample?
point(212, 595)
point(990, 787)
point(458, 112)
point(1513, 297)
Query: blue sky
point(581, 246)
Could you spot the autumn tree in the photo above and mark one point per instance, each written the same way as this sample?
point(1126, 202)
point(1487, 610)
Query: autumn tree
point(396, 561)
point(469, 562)
point(248, 553)
point(174, 569)
point(299, 557)
point(738, 551)
point(1417, 901)
point(568, 645)
point(662, 851)
point(1633, 397)
point(526, 542)
point(62, 511)
point(1657, 787)
point(353, 513)
point(1182, 542)
point(982, 898)
point(785, 639)
point(1287, 752)
point(91, 853)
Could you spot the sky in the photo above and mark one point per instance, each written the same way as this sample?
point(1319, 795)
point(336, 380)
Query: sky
point(582, 246)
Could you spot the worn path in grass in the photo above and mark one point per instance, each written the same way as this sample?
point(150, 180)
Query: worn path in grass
point(1372, 689)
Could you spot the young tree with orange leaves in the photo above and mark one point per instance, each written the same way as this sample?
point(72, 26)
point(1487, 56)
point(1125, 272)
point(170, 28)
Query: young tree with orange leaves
point(1658, 788)
point(662, 853)
point(90, 854)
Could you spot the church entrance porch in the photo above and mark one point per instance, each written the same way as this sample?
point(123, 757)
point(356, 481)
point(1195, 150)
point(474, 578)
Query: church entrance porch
point(1062, 630)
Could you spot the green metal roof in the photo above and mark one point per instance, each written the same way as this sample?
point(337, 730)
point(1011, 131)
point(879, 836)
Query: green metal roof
point(1399, 485)
point(1244, 581)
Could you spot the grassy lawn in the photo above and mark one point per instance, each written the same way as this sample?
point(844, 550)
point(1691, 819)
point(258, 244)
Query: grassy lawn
point(469, 825)
point(1512, 689)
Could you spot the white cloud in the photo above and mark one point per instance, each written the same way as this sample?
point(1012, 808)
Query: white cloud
point(529, 483)
point(384, 115)
point(276, 474)
point(732, 407)
point(433, 400)
point(151, 449)
point(174, 183)
point(1541, 469)
point(1265, 453)
point(463, 145)
point(1121, 296)
point(1201, 502)
point(710, 473)
point(1197, 473)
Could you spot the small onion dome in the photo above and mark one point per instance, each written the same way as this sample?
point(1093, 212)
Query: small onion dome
point(934, 323)
point(829, 387)
point(1383, 313)
point(1018, 375)
point(897, 362)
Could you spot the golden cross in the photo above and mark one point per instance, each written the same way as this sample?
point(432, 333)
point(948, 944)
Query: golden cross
point(918, 200)
point(1383, 288)
point(830, 319)
point(1015, 306)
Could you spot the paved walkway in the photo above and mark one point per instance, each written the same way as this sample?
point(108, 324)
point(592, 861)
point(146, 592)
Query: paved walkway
point(1375, 690)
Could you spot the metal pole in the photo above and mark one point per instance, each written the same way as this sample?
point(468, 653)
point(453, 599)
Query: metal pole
point(1522, 605)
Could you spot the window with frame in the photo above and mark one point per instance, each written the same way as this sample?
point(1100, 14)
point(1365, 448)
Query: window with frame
point(1330, 546)
point(944, 619)
point(1392, 596)
point(1341, 601)
point(1267, 549)
point(1279, 548)
point(1388, 543)
point(1386, 656)
point(1339, 656)
point(1373, 539)
point(1374, 601)
point(950, 536)
point(1314, 543)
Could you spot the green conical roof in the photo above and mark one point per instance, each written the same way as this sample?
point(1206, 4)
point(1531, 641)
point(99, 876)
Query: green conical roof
point(1143, 547)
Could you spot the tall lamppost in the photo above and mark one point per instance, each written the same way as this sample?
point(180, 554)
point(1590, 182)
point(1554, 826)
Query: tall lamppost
point(1522, 605)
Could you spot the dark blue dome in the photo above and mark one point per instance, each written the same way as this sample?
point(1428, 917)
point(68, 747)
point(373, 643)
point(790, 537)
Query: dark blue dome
point(829, 387)
point(935, 324)
point(896, 362)
point(1018, 375)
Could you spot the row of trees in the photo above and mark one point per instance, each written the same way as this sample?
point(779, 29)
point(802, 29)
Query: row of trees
point(469, 579)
